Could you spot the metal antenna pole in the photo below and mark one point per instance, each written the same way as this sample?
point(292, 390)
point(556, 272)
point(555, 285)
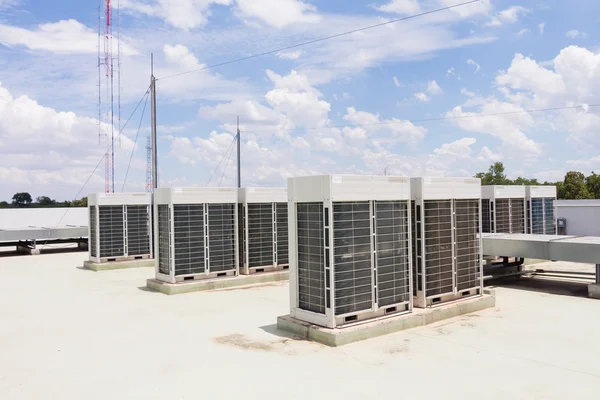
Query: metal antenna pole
point(239, 166)
point(153, 108)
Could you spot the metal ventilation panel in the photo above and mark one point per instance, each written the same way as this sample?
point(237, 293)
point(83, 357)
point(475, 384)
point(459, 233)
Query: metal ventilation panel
point(93, 241)
point(311, 276)
point(502, 211)
point(282, 233)
point(438, 247)
point(260, 235)
point(417, 256)
point(112, 235)
point(537, 216)
point(188, 238)
point(241, 235)
point(138, 230)
point(550, 218)
point(353, 280)
point(517, 209)
point(221, 237)
point(468, 257)
point(391, 226)
point(164, 246)
point(485, 216)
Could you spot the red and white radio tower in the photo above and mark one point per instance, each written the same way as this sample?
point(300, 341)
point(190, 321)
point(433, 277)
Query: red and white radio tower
point(109, 91)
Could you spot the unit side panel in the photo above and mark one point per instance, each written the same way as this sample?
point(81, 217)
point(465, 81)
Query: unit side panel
point(438, 261)
point(188, 239)
point(549, 216)
point(260, 234)
point(164, 248)
point(93, 241)
point(282, 234)
point(486, 226)
point(221, 237)
point(468, 249)
point(112, 240)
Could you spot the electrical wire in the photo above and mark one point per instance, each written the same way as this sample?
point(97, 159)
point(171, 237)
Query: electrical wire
point(426, 119)
point(218, 165)
point(321, 39)
point(135, 143)
point(228, 160)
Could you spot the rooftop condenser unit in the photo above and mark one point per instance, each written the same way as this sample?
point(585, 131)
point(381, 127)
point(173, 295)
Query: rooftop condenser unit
point(196, 233)
point(120, 226)
point(541, 210)
point(349, 248)
point(263, 229)
point(503, 209)
point(446, 242)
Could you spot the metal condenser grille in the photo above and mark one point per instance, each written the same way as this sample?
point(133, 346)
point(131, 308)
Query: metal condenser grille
point(188, 237)
point(138, 230)
point(549, 216)
point(352, 257)
point(93, 226)
point(438, 247)
point(517, 209)
point(241, 235)
point(537, 216)
point(311, 282)
point(164, 247)
point(485, 216)
point(112, 239)
point(282, 233)
point(260, 235)
point(391, 227)
point(221, 237)
point(502, 210)
point(467, 244)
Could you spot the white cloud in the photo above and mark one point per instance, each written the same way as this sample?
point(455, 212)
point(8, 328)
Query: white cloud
point(280, 13)
point(522, 32)
point(482, 7)
point(290, 55)
point(405, 7)
point(434, 88)
point(450, 71)
point(9, 3)
point(572, 34)
point(508, 16)
point(541, 28)
point(467, 92)
point(397, 83)
point(422, 97)
point(62, 37)
point(472, 62)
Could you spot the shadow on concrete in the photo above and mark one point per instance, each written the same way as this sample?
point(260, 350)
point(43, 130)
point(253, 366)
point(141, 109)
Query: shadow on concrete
point(272, 330)
point(147, 289)
point(14, 253)
point(81, 267)
point(550, 286)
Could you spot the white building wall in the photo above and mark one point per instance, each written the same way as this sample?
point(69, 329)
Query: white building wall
point(583, 216)
point(12, 218)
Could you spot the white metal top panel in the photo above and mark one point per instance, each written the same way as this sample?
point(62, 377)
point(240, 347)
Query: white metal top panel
point(195, 195)
point(117, 199)
point(348, 188)
point(578, 203)
point(14, 218)
point(503, 192)
point(541, 191)
point(263, 195)
point(429, 188)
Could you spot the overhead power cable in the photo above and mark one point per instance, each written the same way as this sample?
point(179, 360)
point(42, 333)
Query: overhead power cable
point(218, 165)
point(226, 164)
point(135, 142)
point(321, 39)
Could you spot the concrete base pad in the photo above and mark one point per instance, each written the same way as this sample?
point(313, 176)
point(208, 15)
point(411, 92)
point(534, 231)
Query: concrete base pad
point(355, 333)
point(594, 291)
point(216, 283)
point(108, 266)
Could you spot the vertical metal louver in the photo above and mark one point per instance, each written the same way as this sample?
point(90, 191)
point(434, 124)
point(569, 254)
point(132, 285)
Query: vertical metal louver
point(93, 240)
point(550, 219)
point(485, 216)
point(260, 235)
point(281, 212)
point(517, 209)
point(417, 245)
point(352, 257)
point(138, 230)
point(241, 235)
point(111, 228)
point(439, 266)
point(311, 282)
point(164, 242)
point(221, 237)
point(392, 261)
point(188, 238)
point(502, 211)
point(468, 256)
point(537, 216)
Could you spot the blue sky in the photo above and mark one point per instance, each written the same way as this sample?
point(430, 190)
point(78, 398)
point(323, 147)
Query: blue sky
point(393, 97)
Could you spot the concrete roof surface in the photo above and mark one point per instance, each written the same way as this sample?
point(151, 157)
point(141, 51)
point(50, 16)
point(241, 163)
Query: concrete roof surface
point(70, 333)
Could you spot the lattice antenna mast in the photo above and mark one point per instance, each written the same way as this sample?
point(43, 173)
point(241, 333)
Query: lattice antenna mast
point(149, 165)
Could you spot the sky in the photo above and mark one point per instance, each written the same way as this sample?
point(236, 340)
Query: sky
point(442, 94)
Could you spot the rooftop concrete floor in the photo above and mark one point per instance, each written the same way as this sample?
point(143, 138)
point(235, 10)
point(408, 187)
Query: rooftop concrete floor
point(68, 333)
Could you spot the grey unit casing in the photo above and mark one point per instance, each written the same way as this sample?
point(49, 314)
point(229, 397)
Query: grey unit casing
point(262, 229)
point(541, 210)
point(350, 256)
point(503, 209)
point(446, 239)
point(120, 227)
point(196, 233)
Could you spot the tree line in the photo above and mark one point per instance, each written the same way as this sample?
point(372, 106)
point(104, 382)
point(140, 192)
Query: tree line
point(24, 200)
point(575, 185)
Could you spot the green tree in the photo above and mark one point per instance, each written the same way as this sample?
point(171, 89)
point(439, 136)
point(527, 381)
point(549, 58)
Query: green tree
point(525, 181)
point(574, 187)
point(22, 199)
point(80, 203)
point(4, 204)
point(592, 182)
point(45, 201)
point(494, 176)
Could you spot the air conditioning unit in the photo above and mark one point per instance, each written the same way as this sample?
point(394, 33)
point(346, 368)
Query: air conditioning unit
point(503, 209)
point(120, 226)
point(350, 250)
point(196, 233)
point(263, 229)
point(541, 210)
point(446, 239)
